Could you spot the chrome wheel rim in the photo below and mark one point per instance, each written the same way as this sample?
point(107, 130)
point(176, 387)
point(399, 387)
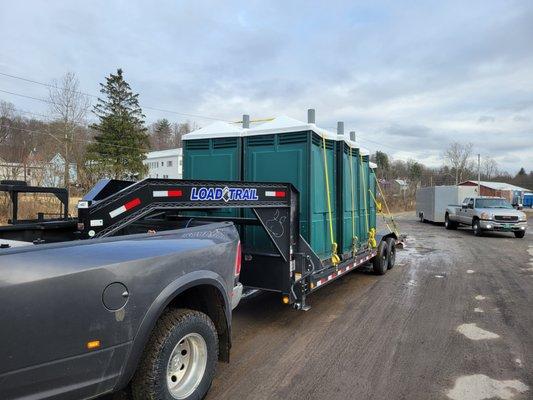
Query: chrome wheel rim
point(186, 366)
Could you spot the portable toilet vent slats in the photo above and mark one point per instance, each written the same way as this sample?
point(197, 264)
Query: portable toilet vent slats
point(288, 150)
point(215, 153)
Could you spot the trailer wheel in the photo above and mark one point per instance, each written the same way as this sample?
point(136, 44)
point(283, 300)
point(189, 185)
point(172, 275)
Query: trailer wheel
point(380, 261)
point(519, 234)
point(391, 255)
point(449, 224)
point(180, 358)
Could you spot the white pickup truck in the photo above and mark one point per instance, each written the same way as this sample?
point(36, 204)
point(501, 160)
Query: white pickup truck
point(486, 214)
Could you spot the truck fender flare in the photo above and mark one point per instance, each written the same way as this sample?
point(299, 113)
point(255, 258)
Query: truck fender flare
point(150, 318)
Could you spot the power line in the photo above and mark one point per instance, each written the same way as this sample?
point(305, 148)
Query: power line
point(27, 97)
point(77, 140)
point(96, 96)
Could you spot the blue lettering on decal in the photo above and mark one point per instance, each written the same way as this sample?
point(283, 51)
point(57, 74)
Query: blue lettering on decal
point(226, 194)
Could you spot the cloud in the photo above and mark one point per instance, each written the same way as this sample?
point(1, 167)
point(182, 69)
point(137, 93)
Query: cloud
point(409, 77)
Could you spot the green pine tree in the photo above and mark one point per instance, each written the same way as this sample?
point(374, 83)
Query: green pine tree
point(121, 141)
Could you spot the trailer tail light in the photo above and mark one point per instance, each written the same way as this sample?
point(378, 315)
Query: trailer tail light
point(238, 259)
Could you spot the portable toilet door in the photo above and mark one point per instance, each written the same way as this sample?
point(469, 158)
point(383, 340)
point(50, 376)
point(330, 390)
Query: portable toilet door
point(288, 150)
point(214, 153)
point(348, 198)
point(373, 194)
point(364, 196)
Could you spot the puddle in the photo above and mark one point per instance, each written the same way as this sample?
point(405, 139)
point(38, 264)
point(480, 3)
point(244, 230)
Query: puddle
point(473, 332)
point(480, 387)
point(470, 271)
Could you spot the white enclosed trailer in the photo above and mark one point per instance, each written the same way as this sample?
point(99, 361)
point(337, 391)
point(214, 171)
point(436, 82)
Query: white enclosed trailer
point(431, 201)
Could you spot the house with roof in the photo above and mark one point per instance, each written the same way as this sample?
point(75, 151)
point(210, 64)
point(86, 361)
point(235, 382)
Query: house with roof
point(514, 194)
point(167, 164)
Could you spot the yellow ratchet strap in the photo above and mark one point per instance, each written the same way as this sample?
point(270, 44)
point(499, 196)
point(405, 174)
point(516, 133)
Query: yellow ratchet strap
point(334, 257)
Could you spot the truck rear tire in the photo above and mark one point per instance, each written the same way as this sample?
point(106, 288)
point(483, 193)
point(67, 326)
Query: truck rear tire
point(519, 234)
point(449, 224)
point(391, 253)
point(380, 261)
point(476, 227)
point(180, 358)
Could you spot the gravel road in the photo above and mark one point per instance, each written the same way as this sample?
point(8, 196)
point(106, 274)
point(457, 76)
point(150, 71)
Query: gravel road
point(452, 320)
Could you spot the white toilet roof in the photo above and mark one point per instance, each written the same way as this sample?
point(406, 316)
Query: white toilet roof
point(284, 124)
point(217, 129)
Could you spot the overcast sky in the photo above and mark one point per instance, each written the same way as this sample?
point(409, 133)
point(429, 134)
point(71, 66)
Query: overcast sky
point(410, 77)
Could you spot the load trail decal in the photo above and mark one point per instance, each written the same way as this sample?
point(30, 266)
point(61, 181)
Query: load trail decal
point(225, 193)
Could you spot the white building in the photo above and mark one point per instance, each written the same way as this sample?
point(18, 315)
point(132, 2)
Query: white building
point(165, 164)
point(37, 172)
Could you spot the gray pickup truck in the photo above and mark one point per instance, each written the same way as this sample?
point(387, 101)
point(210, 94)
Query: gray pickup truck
point(84, 318)
point(486, 214)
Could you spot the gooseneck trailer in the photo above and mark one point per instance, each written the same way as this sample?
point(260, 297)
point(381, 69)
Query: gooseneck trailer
point(115, 208)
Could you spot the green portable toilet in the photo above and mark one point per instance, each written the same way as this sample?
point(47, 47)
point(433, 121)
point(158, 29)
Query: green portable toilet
point(373, 197)
point(288, 150)
point(349, 226)
point(364, 196)
point(215, 153)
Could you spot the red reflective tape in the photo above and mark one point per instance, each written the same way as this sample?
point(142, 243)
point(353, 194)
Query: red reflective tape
point(132, 203)
point(280, 194)
point(175, 193)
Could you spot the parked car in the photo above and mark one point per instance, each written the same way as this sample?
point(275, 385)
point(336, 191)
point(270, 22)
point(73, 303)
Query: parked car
point(486, 214)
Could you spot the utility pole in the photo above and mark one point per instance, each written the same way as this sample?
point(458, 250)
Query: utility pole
point(479, 174)
point(66, 177)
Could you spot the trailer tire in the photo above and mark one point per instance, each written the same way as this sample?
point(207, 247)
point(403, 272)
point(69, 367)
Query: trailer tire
point(519, 234)
point(391, 253)
point(183, 349)
point(450, 225)
point(380, 261)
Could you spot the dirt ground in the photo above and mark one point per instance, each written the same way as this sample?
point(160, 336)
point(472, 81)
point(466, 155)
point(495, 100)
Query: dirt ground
point(452, 320)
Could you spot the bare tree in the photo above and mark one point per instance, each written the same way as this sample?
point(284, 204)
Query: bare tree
point(180, 129)
point(7, 114)
point(69, 108)
point(457, 157)
point(489, 168)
